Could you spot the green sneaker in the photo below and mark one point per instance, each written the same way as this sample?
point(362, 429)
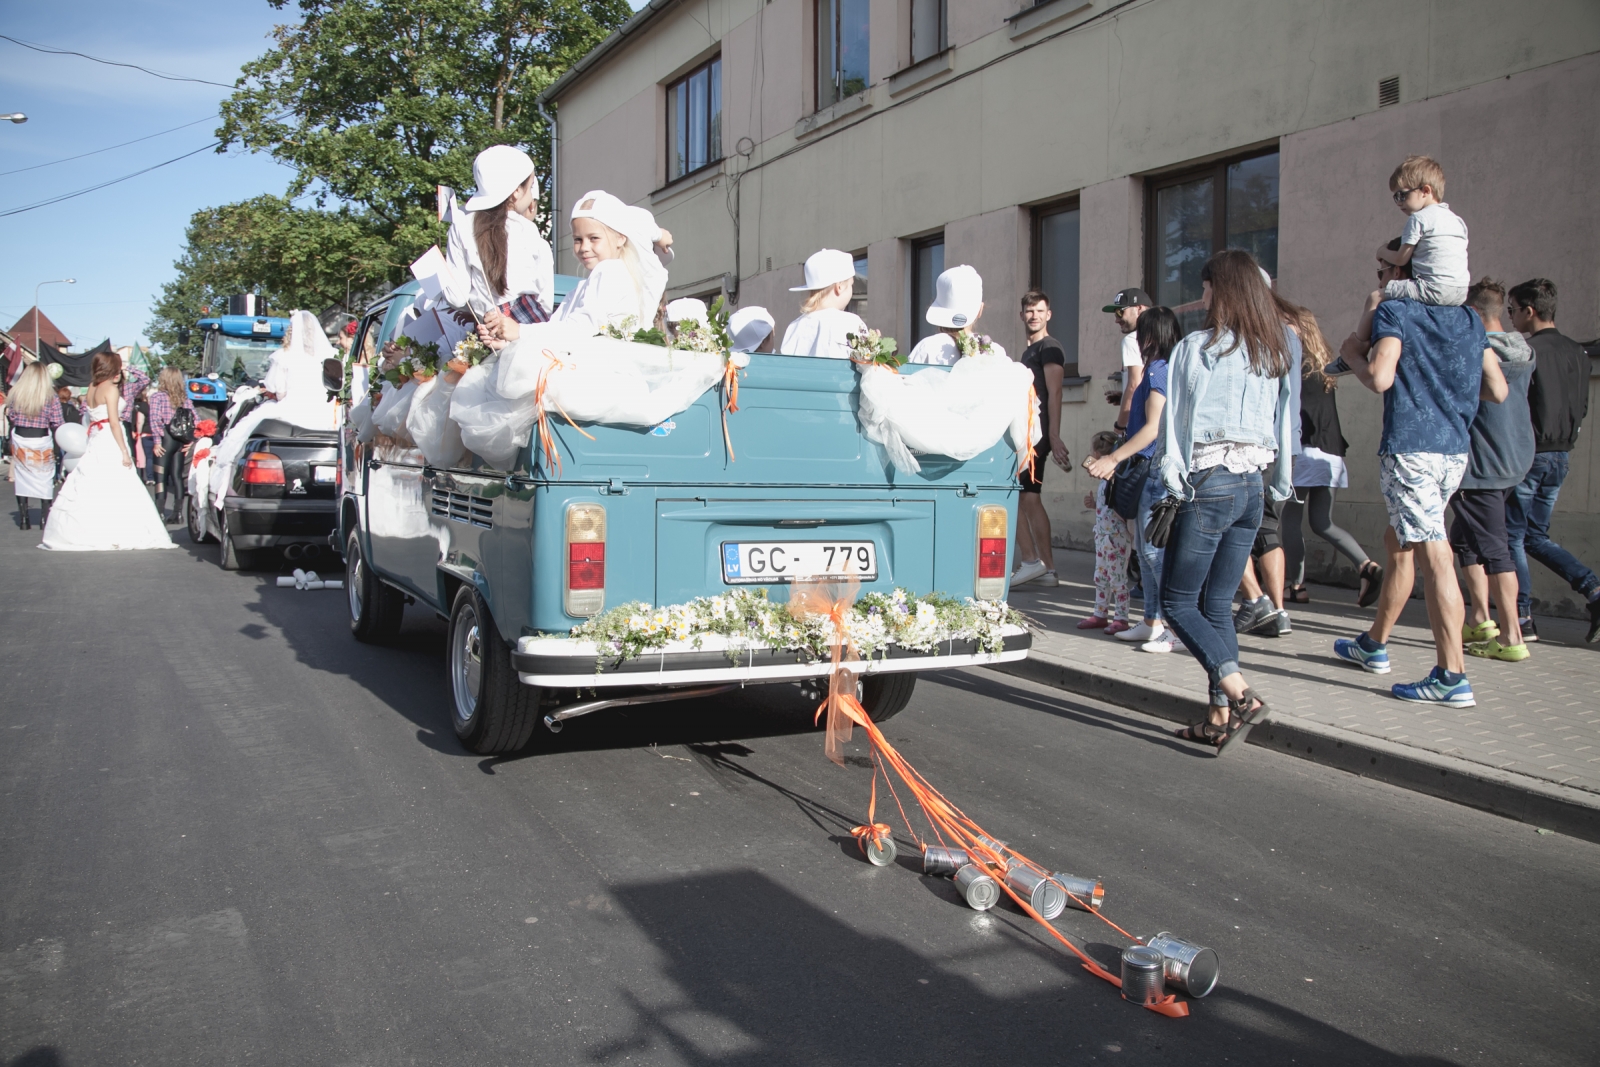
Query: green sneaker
point(1483, 631)
point(1492, 649)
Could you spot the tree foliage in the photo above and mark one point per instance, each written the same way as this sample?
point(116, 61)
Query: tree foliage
point(374, 103)
point(294, 257)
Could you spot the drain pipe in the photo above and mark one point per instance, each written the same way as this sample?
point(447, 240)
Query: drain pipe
point(555, 199)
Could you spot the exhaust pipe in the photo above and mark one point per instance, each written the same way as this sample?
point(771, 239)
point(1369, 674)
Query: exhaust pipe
point(557, 719)
point(310, 551)
point(293, 552)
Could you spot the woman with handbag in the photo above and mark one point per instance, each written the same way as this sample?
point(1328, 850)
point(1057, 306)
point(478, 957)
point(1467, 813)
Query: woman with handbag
point(1133, 492)
point(173, 434)
point(1229, 419)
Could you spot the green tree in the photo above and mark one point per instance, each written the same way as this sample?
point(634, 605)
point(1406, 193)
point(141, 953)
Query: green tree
point(375, 103)
point(293, 257)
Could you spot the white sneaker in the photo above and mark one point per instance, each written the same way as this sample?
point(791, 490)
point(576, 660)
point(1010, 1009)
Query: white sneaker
point(1139, 634)
point(1048, 578)
point(1166, 642)
point(1030, 570)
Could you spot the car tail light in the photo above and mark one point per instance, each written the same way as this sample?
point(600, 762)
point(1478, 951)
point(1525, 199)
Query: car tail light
point(992, 542)
point(586, 560)
point(263, 468)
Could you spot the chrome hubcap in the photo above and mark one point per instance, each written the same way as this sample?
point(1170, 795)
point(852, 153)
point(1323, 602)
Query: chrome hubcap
point(352, 583)
point(466, 663)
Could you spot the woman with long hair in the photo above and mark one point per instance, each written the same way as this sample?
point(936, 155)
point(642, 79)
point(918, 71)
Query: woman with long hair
point(1158, 334)
point(1229, 390)
point(166, 400)
point(35, 414)
point(495, 245)
point(1319, 467)
point(103, 505)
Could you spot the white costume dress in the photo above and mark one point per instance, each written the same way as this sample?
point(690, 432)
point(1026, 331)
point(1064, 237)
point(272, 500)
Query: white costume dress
point(103, 506)
point(821, 333)
point(530, 265)
point(295, 377)
point(940, 349)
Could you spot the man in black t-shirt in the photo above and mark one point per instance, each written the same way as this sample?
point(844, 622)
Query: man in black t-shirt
point(1045, 357)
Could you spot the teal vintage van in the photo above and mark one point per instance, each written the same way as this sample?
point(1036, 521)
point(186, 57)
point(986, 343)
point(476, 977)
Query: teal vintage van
point(516, 559)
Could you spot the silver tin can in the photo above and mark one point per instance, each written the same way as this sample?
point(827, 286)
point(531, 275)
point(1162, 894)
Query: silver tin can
point(941, 862)
point(979, 889)
point(1192, 968)
point(881, 852)
point(1143, 975)
point(998, 846)
point(1041, 893)
point(1091, 891)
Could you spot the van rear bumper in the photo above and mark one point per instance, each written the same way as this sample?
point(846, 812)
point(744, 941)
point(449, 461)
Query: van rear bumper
point(564, 663)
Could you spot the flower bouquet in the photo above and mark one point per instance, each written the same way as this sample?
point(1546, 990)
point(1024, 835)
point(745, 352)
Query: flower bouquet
point(417, 360)
point(627, 331)
point(872, 349)
point(694, 336)
point(973, 345)
point(468, 353)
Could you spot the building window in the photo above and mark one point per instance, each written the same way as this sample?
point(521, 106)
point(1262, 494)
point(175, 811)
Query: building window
point(928, 29)
point(858, 301)
point(841, 49)
point(1055, 272)
point(1230, 204)
point(694, 120)
point(927, 263)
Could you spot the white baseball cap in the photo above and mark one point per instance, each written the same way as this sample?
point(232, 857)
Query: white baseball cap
point(498, 170)
point(687, 309)
point(958, 298)
point(750, 326)
point(827, 267)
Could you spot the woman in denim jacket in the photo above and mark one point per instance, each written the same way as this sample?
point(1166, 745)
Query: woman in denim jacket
point(1231, 417)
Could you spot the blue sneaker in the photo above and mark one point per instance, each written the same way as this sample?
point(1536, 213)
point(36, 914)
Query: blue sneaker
point(1433, 690)
point(1349, 649)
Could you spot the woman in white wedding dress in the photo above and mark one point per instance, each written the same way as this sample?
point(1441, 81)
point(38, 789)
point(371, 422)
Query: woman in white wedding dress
point(104, 506)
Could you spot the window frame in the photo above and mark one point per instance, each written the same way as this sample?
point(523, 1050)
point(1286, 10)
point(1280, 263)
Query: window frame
point(1036, 216)
point(817, 51)
point(681, 82)
point(943, 31)
point(914, 248)
point(1217, 171)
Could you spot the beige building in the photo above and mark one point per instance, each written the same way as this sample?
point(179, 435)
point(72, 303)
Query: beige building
point(1087, 146)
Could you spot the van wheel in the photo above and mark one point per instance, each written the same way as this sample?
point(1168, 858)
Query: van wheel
point(491, 710)
point(886, 695)
point(375, 609)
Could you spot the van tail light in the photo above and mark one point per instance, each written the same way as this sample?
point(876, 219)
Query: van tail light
point(586, 560)
point(992, 543)
point(263, 468)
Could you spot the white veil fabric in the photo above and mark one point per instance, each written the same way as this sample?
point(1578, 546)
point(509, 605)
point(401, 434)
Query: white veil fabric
point(639, 227)
point(294, 376)
point(957, 413)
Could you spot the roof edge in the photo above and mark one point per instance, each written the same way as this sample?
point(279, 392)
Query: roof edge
point(641, 18)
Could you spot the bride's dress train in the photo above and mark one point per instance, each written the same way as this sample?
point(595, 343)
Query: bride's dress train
point(103, 506)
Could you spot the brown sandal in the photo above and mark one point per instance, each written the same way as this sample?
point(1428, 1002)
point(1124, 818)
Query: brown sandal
point(1241, 717)
point(1371, 584)
point(1204, 732)
point(1298, 594)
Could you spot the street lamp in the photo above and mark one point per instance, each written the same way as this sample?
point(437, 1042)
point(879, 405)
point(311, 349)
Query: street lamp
point(38, 349)
point(16, 116)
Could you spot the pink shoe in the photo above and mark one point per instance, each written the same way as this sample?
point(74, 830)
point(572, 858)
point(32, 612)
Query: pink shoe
point(1116, 626)
point(1094, 622)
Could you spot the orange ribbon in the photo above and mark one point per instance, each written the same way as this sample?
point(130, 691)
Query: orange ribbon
point(547, 441)
point(834, 600)
point(1031, 463)
point(730, 402)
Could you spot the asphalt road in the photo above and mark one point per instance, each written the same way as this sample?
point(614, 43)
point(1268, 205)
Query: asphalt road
point(230, 834)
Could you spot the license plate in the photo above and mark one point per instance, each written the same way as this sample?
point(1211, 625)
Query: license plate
point(322, 475)
point(766, 562)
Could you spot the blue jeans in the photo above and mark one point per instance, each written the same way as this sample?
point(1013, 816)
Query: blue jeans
point(1150, 557)
point(1205, 558)
point(1528, 510)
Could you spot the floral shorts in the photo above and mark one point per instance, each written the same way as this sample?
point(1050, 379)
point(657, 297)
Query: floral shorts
point(1416, 487)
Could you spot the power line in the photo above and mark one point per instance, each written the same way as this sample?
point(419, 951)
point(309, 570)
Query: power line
point(97, 151)
point(112, 62)
point(102, 185)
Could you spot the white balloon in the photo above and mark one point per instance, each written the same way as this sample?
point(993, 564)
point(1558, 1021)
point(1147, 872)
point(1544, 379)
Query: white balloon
point(72, 438)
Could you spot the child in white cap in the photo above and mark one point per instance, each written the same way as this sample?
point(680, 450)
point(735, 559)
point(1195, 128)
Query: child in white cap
point(495, 245)
point(957, 304)
point(751, 328)
point(823, 323)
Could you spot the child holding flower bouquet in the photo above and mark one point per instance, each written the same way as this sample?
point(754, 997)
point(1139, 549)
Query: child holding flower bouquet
point(957, 304)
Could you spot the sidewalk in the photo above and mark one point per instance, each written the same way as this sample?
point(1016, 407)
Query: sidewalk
point(1530, 750)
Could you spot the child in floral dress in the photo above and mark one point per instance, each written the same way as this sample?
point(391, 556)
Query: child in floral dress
point(1113, 544)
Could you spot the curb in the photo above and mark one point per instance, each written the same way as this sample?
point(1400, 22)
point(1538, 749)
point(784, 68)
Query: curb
point(1513, 796)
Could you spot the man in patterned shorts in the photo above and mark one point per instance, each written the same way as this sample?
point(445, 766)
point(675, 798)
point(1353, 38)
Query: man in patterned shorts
point(1431, 364)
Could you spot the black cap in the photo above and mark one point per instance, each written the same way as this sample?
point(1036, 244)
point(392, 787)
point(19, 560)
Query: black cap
point(1129, 298)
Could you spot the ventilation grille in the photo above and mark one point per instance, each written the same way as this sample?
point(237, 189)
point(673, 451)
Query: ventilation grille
point(1389, 91)
point(463, 508)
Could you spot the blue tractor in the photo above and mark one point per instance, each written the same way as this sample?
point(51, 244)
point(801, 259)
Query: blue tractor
point(236, 351)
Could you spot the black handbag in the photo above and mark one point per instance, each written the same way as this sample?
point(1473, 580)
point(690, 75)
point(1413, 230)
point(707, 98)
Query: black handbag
point(1164, 514)
point(1127, 485)
point(181, 426)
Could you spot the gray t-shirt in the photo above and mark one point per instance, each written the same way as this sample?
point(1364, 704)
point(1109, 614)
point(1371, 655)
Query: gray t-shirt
point(1441, 240)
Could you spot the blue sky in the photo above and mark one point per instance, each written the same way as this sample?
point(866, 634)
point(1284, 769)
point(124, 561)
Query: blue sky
point(120, 242)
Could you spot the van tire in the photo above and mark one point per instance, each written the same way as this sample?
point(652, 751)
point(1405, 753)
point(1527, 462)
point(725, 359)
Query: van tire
point(491, 711)
point(230, 557)
point(886, 695)
point(375, 609)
